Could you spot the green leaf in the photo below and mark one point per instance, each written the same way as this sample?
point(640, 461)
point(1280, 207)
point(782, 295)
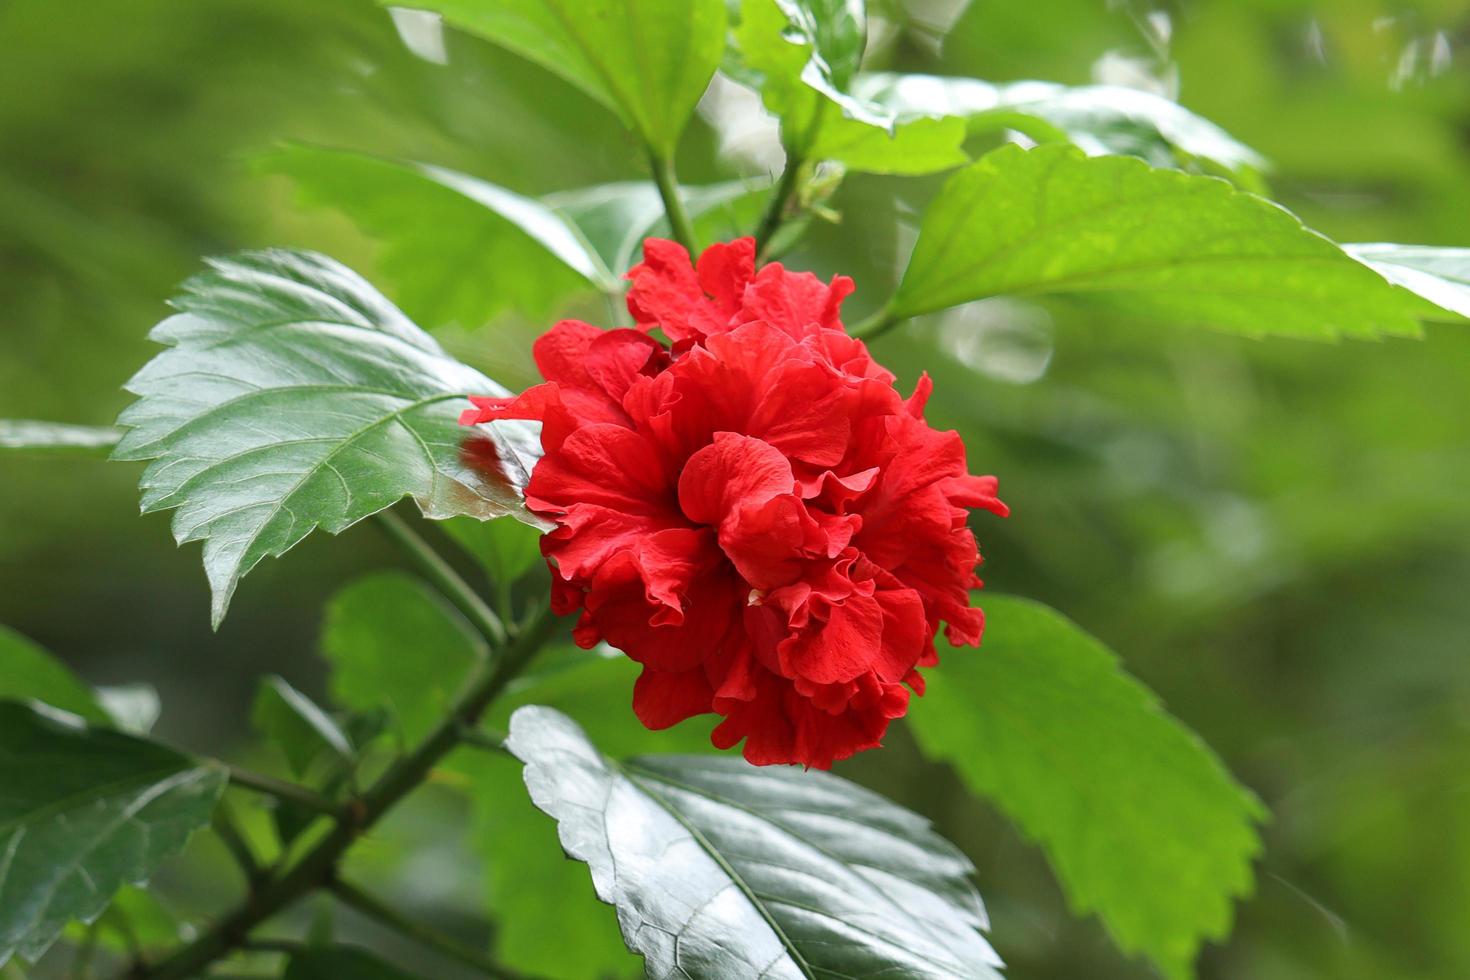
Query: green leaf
point(505, 549)
point(1440, 275)
point(135, 920)
point(649, 60)
point(1101, 119)
point(133, 708)
point(1141, 822)
point(1151, 244)
point(616, 217)
point(84, 811)
point(56, 438)
point(395, 643)
point(27, 671)
point(340, 963)
point(301, 730)
point(294, 396)
point(719, 868)
point(549, 921)
point(804, 55)
point(460, 249)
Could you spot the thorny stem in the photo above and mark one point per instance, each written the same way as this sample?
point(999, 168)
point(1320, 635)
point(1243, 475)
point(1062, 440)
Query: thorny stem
point(317, 868)
point(389, 917)
point(444, 577)
point(668, 189)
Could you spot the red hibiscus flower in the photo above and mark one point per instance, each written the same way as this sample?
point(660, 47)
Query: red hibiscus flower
point(756, 516)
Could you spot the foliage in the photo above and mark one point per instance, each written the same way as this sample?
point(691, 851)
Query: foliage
point(293, 395)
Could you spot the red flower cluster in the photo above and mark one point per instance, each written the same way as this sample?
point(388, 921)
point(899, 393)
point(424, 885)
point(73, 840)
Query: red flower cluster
point(756, 516)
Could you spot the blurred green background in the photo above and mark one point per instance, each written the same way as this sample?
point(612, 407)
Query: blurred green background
point(1275, 535)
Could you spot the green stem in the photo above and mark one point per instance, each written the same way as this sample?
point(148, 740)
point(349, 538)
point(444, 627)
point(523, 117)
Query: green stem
point(668, 189)
point(228, 831)
point(776, 207)
point(380, 912)
point(444, 577)
point(876, 325)
point(283, 791)
point(318, 867)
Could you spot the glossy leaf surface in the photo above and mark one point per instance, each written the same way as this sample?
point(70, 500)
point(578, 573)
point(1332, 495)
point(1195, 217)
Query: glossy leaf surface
point(1151, 244)
point(84, 811)
point(719, 868)
point(294, 396)
point(1101, 119)
point(1440, 275)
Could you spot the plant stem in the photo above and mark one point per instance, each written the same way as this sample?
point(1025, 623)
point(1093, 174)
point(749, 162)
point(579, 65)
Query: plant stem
point(876, 325)
point(385, 915)
point(668, 189)
point(283, 791)
point(444, 577)
point(318, 867)
point(228, 831)
point(776, 207)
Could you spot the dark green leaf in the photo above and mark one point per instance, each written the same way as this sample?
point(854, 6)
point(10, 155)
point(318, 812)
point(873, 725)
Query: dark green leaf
point(1101, 119)
point(1145, 243)
point(1440, 275)
point(722, 869)
point(294, 396)
point(649, 60)
point(1141, 822)
point(84, 811)
point(56, 438)
point(340, 963)
point(803, 54)
point(459, 249)
point(395, 643)
point(301, 730)
point(27, 671)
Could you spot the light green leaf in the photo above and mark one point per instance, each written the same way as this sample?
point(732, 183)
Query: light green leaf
point(1141, 822)
point(1101, 119)
point(56, 438)
point(804, 55)
point(721, 869)
point(395, 643)
point(505, 549)
point(294, 396)
point(1440, 275)
point(649, 60)
point(1151, 244)
point(133, 708)
point(616, 218)
point(27, 671)
point(460, 249)
point(340, 963)
point(135, 920)
point(84, 811)
point(294, 722)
